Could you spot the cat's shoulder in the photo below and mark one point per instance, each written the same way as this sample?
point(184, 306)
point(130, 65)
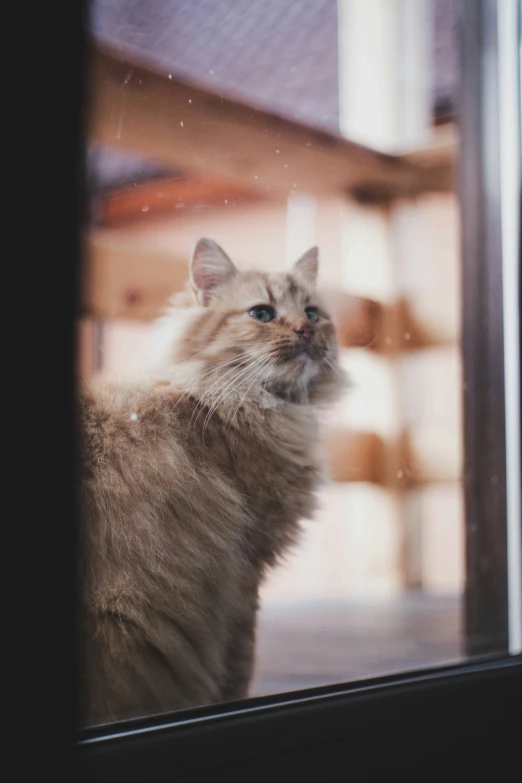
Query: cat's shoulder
point(103, 398)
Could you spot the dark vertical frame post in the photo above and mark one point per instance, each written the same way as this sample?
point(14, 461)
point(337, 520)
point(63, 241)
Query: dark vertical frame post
point(486, 599)
point(77, 216)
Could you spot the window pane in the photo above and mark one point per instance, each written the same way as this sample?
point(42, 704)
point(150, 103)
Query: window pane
point(271, 128)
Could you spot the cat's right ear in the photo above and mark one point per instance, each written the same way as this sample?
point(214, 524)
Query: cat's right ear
point(210, 268)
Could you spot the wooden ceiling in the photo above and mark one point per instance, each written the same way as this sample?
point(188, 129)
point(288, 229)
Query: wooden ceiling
point(233, 151)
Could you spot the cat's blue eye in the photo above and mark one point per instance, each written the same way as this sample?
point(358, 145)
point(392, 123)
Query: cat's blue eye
point(312, 314)
point(262, 313)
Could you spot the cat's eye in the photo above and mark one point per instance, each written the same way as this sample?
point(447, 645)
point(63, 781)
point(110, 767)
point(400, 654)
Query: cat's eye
point(312, 314)
point(262, 313)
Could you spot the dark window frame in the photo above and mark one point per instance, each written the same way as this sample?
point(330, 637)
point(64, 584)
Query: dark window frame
point(410, 724)
point(486, 594)
point(415, 723)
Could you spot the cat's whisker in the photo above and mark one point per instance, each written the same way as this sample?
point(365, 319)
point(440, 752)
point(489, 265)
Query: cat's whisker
point(208, 395)
point(233, 385)
point(229, 388)
point(196, 381)
point(213, 369)
point(205, 349)
point(231, 360)
point(331, 365)
point(254, 373)
point(267, 370)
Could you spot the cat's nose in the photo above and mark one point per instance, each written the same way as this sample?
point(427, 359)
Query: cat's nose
point(305, 331)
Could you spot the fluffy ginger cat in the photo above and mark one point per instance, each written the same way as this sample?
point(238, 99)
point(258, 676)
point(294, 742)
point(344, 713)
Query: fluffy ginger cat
point(193, 484)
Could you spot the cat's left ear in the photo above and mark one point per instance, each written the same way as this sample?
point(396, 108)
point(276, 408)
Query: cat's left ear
point(305, 269)
point(210, 268)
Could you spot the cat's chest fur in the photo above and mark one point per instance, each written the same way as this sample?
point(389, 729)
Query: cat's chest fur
point(163, 472)
point(271, 457)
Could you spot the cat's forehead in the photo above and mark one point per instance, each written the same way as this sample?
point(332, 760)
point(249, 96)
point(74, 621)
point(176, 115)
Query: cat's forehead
point(272, 288)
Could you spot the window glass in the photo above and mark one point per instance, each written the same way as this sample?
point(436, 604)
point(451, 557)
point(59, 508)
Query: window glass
point(271, 128)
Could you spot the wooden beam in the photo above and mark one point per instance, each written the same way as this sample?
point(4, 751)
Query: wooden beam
point(441, 151)
point(438, 157)
point(165, 197)
point(123, 283)
point(415, 458)
point(358, 320)
point(355, 456)
point(415, 331)
point(388, 329)
point(139, 110)
point(430, 454)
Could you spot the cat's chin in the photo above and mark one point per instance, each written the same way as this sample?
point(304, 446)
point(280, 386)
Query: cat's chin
point(306, 362)
point(291, 380)
point(304, 359)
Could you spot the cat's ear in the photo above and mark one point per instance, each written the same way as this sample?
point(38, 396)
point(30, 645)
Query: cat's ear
point(210, 267)
point(305, 269)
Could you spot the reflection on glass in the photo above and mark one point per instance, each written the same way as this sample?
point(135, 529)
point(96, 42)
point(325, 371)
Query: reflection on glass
point(216, 120)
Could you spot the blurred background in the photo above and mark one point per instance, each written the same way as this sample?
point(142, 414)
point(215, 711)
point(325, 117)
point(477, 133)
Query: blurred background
point(271, 126)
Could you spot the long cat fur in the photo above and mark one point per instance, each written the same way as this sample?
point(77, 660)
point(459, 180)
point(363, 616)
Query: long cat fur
point(193, 484)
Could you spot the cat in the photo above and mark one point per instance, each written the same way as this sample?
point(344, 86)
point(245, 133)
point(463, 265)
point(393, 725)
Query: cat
point(193, 482)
